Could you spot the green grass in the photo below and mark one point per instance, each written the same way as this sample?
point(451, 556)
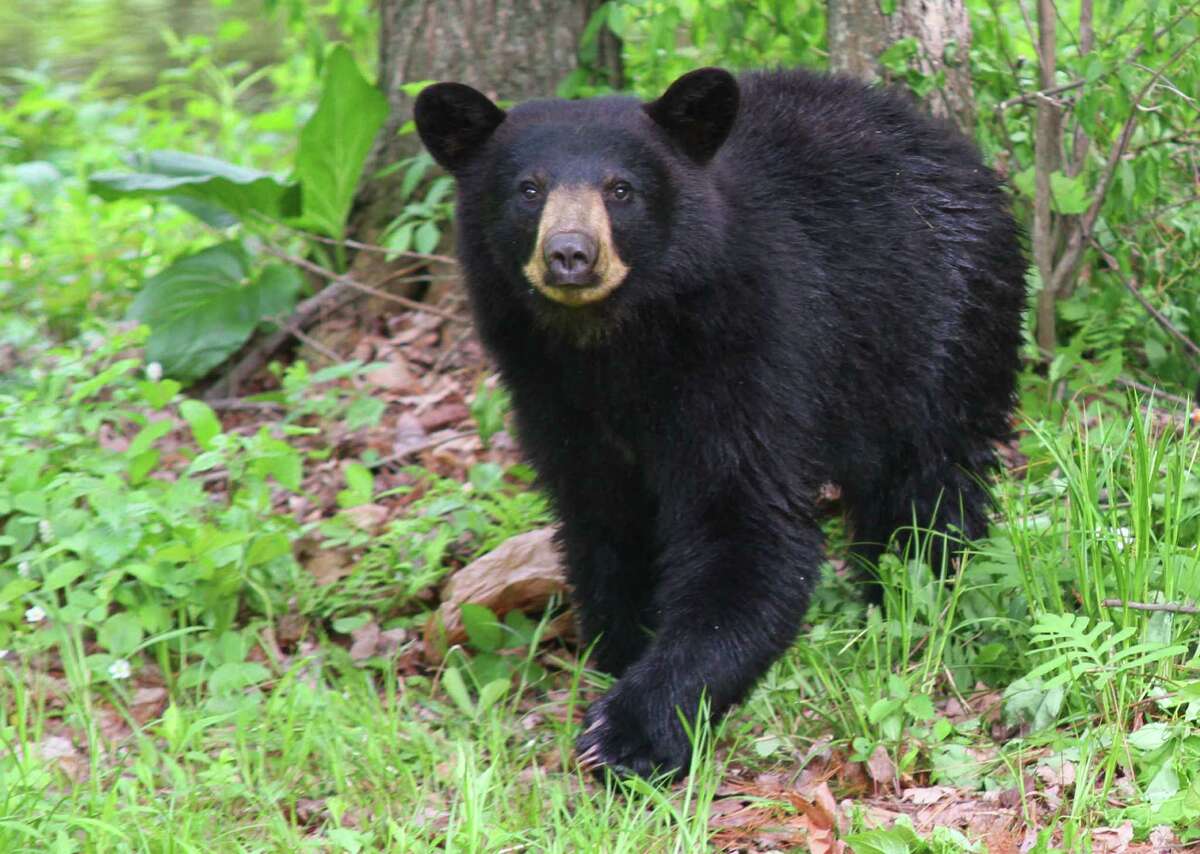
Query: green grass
point(319, 752)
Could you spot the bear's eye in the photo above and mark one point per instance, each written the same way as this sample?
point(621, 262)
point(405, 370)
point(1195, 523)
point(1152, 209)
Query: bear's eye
point(529, 191)
point(621, 191)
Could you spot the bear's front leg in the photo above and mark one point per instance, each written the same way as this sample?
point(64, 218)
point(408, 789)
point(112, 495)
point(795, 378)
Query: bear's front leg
point(734, 583)
point(612, 574)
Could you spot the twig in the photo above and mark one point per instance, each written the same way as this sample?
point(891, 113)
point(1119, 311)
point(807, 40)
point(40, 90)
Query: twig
point(314, 344)
point(1080, 235)
point(1161, 319)
point(229, 403)
point(1154, 392)
point(1169, 607)
point(425, 446)
point(346, 281)
point(359, 245)
point(450, 350)
point(1031, 97)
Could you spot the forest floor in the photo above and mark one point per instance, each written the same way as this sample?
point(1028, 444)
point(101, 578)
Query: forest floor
point(378, 713)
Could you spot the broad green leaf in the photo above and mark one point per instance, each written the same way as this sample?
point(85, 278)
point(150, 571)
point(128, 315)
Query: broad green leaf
point(335, 142)
point(483, 630)
point(203, 421)
point(360, 486)
point(204, 186)
point(267, 548)
point(456, 689)
point(63, 575)
point(201, 308)
point(120, 634)
point(235, 676)
point(491, 692)
point(1151, 736)
point(897, 840)
point(1069, 195)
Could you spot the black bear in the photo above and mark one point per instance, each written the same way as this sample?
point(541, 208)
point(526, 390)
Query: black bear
point(705, 308)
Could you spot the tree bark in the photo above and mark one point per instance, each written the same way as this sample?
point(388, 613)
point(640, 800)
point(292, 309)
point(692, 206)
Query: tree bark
point(859, 31)
point(510, 50)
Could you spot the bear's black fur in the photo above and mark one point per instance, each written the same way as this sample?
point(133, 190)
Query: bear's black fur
point(822, 285)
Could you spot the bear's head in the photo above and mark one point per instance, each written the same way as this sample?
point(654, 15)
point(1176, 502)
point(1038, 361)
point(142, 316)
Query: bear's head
point(574, 202)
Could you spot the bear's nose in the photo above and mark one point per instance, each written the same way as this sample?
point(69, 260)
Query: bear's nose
point(570, 257)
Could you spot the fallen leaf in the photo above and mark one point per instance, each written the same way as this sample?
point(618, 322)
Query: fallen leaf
point(1056, 771)
point(364, 639)
point(367, 517)
point(924, 796)
point(881, 768)
point(395, 376)
point(328, 565)
point(60, 751)
point(148, 703)
point(409, 434)
point(1112, 840)
point(521, 574)
point(444, 416)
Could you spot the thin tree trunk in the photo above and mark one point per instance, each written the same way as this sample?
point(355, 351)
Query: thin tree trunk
point(859, 31)
point(510, 50)
point(1047, 160)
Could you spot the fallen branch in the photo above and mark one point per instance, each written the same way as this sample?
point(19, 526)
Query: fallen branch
point(340, 280)
point(340, 289)
point(1154, 392)
point(417, 449)
point(1169, 607)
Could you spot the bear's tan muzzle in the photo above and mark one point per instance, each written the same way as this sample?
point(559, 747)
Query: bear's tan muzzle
point(574, 261)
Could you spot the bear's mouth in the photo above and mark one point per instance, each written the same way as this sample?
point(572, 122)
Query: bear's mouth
point(574, 261)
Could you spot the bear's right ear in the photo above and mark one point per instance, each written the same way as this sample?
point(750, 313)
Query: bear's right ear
point(697, 111)
point(453, 120)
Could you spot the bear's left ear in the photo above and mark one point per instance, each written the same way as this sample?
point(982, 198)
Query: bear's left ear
point(454, 120)
point(697, 111)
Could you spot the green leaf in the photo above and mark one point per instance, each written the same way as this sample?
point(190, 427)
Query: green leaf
point(1069, 195)
point(483, 630)
point(203, 421)
point(456, 688)
point(147, 436)
point(1165, 783)
point(360, 486)
point(1150, 737)
point(200, 309)
point(236, 675)
point(211, 189)
point(120, 634)
point(897, 840)
point(493, 691)
point(335, 142)
point(267, 548)
point(64, 575)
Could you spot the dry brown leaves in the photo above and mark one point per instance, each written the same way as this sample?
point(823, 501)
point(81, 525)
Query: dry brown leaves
point(765, 815)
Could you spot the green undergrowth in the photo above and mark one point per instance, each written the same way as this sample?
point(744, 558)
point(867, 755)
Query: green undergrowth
point(141, 556)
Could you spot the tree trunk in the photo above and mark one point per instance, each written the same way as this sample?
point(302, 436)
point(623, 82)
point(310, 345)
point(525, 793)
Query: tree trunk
point(859, 31)
point(511, 50)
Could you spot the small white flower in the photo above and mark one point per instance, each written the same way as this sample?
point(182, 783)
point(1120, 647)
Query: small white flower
point(3, 654)
point(45, 530)
point(35, 614)
point(154, 372)
point(23, 569)
point(119, 669)
point(468, 487)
